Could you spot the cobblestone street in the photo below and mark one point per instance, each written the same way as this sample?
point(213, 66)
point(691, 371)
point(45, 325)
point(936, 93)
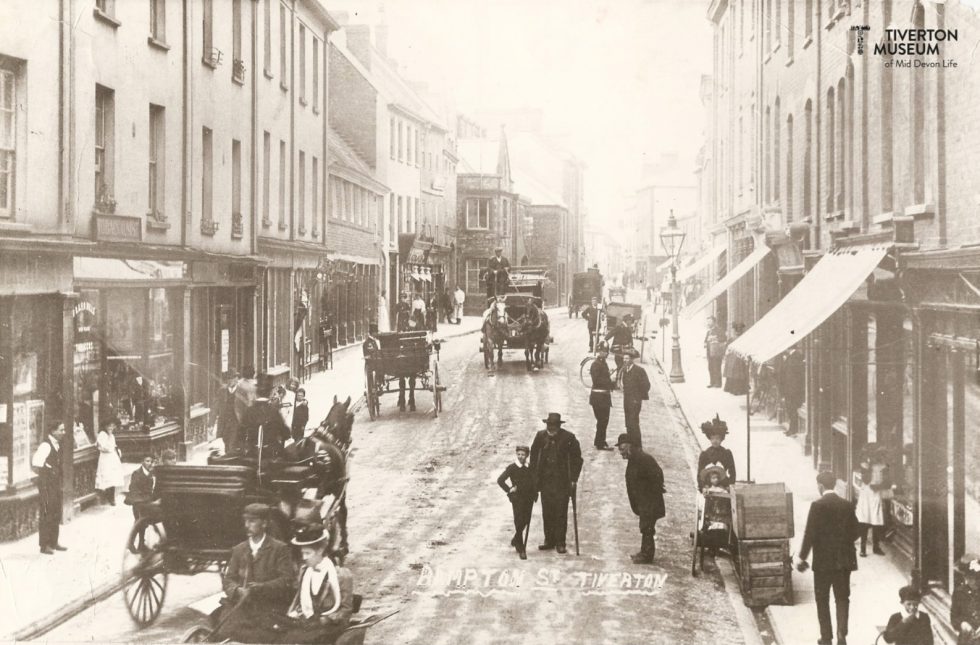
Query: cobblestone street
point(430, 528)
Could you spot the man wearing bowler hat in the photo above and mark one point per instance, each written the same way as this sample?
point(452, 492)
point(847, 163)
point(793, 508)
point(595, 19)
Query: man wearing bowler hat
point(636, 390)
point(556, 462)
point(645, 489)
point(498, 268)
point(264, 414)
point(258, 581)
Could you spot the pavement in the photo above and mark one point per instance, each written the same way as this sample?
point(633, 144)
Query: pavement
point(778, 458)
point(65, 583)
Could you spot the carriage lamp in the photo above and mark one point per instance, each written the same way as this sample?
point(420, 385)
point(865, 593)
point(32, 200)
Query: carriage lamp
point(672, 239)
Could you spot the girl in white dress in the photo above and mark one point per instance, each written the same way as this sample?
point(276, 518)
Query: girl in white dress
point(109, 473)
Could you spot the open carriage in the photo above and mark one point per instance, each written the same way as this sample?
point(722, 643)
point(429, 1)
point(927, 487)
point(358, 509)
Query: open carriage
point(196, 518)
point(403, 358)
point(516, 327)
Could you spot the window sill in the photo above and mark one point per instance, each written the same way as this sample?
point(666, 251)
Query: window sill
point(267, 74)
point(883, 219)
point(282, 226)
point(775, 48)
point(156, 223)
point(767, 58)
point(921, 211)
point(208, 62)
point(834, 215)
point(158, 44)
point(105, 18)
point(283, 87)
point(238, 80)
point(807, 41)
point(209, 227)
point(302, 102)
point(789, 61)
point(266, 223)
point(302, 231)
point(316, 110)
point(15, 226)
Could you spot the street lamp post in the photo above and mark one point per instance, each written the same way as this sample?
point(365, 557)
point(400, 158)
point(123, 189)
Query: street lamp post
point(672, 239)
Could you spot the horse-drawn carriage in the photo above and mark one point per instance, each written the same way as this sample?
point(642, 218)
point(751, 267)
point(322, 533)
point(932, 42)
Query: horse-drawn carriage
point(402, 357)
point(585, 286)
point(197, 517)
point(516, 321)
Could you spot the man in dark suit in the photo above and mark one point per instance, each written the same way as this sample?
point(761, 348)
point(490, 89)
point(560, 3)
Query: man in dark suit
point(645, 489)
point(556, 462)
point(263, 414)
point(636, 390)
point(258, 581)
point(591, 315)
point(831, 528)
point(301, 415)
point(622, 338)
point(520, 492)
point(601, 398)
point(498, 268)
point(228, 420)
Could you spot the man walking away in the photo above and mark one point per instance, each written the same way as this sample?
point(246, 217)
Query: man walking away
point(636, 390)
point(459, 298)
point(591, 315)
point(47, 464)
point(521, 493)
point(831, 528)
point(714, 344)
point(601, 398)
point(556, 462)
point(645, 489)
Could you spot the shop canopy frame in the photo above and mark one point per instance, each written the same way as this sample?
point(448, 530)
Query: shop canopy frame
point(823, 290)
point(739, 271)
point(701, 264)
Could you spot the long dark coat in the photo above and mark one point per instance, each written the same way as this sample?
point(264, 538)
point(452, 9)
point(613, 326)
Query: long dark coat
point(645, 485)
point(636, 384)
point(601, 380)
point(275, 431)
point(569, 464)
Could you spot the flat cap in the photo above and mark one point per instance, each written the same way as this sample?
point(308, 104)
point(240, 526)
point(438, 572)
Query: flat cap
point(256, 512)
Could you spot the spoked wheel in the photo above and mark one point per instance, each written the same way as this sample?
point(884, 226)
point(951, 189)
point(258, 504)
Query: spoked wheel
point(197, 634)
point(144, 572)
point(436, 391)
point(585, 371)
point(371, 393)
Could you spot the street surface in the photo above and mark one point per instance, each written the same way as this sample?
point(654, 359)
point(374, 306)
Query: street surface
point(430, 529)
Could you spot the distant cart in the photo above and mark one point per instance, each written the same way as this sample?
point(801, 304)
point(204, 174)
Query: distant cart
point(403, 357)
point(585, 286)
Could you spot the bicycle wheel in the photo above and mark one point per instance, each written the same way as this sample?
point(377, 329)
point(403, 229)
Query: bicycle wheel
point(585, 371)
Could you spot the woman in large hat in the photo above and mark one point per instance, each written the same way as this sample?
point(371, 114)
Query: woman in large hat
point(716, 430)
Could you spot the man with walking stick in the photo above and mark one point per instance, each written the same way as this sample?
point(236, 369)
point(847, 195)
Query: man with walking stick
point(556, 462)
point(522, 496)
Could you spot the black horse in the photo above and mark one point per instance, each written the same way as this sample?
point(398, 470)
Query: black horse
point(536, 330)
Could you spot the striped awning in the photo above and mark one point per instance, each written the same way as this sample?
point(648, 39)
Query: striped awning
point(702, 263)
point(727, 280)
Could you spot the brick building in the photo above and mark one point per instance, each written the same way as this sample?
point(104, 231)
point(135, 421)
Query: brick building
point(840, 182)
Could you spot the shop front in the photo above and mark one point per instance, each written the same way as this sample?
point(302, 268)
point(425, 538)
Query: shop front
point(129, 353)
point(945, 290)
point(423, 267)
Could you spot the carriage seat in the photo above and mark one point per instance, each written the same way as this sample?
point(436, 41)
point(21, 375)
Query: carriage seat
point(220, 480)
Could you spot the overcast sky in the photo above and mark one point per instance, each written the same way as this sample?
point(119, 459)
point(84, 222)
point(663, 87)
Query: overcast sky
point(619, 78)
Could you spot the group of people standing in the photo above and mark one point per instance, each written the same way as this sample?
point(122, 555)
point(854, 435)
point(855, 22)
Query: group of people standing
point(246, 405)
point(551, 467)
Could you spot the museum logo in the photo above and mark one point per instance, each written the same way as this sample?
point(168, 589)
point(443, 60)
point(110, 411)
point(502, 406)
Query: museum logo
point(909, 48)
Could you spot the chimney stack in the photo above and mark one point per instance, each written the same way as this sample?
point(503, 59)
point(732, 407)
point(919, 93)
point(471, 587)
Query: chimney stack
point(359, 43)
point(381, 40)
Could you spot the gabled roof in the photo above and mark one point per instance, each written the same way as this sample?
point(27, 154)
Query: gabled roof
point(478, 157)
point(343, 153)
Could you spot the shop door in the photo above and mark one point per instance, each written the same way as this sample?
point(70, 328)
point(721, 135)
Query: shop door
point(938, 427)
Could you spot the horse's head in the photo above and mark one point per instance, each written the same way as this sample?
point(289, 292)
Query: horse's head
point(339, 421)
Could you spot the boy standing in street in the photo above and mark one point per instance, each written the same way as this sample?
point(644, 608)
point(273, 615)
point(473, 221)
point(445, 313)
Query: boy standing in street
point(522, 496)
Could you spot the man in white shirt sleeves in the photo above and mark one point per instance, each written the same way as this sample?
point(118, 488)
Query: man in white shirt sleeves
point(46, 462)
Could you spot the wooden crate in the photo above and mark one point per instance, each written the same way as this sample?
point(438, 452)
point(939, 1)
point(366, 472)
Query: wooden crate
point(762, 511)
point(765, 572)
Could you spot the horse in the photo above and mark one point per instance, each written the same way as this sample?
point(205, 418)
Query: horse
point(494, 335)
point(536, 331)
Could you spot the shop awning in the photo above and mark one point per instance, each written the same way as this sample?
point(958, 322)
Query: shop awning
point(727, 280)
point(693, 269)
point(821, 292)
point(90, 268)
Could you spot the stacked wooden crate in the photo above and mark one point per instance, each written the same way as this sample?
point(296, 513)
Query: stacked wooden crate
point(762, 516)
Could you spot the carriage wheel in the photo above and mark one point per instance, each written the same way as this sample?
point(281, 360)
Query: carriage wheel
point(436, 391)
point(144, 571)
point(371, 393)
point(197, 634)
point(584, 371)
